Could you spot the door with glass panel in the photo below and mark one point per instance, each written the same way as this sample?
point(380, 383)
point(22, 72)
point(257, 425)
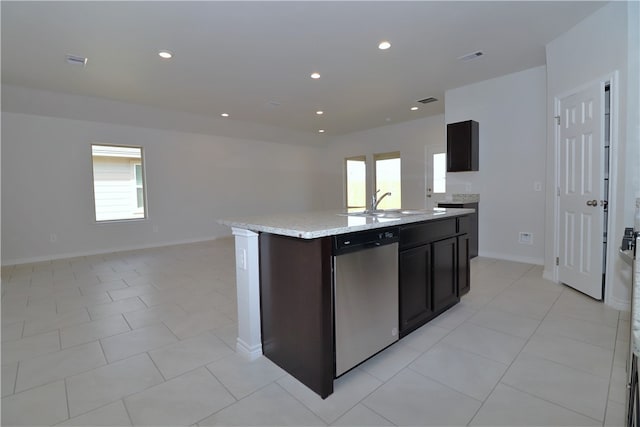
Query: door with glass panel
point(435, 176)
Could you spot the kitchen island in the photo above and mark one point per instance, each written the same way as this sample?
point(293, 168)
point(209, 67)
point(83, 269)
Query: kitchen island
point(286, 280)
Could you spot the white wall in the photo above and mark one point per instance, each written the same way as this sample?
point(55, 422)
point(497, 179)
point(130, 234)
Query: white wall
point(593, 49)
point(410, 138)
point(192, 181)
point(510, 111)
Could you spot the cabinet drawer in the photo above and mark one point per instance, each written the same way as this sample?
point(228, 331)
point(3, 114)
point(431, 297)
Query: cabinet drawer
point(464, 224)
point(418, 234)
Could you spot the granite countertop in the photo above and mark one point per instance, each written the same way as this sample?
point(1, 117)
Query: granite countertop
point(460, 198)
point(312, 225)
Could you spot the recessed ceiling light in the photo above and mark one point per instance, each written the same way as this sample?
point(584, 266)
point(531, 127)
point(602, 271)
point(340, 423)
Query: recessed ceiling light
point(315, 75)
point(165, 54)
point(319, 112)
point(321, 130)
point(384, 45)
point(414, 108)
point(225, 114)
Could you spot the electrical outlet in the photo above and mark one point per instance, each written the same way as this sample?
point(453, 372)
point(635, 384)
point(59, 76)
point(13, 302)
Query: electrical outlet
point(525, 238)
point(53, 237)
point(241, 259)
point(155, 228)
point(537, 186)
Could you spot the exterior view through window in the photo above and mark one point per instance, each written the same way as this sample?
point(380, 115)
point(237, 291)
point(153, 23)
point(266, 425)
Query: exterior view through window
point(118, 182)
point(387, 177)
point(356, 173)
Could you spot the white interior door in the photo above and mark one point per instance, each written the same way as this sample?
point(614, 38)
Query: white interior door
point(435, 175)
point(581, 190)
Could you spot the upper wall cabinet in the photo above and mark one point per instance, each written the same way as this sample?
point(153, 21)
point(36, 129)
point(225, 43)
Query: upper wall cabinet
point(462, 146)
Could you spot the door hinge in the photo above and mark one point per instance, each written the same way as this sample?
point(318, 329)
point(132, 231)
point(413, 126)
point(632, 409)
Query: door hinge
point(558, 191)
point(557, 120)
point(557, 260)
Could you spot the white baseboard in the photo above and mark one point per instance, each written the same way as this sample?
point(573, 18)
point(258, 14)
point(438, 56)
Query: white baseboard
point(618, 304)
point(247, 351)
point(45, 258)
point(549, 275)
point(515, 258)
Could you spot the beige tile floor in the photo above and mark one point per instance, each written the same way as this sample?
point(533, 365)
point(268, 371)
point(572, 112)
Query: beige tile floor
point(147, 338)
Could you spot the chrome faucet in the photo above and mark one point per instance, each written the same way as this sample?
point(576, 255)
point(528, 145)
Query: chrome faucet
point(375, 201)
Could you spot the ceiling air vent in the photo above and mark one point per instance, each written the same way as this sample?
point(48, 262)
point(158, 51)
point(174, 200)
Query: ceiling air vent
point(76, 60)
point(470, 56)
point(427, 100)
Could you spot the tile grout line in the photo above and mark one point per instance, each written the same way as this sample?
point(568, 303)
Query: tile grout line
point(126, 409)
point(514, 359)
point(148, 353)
point(613, 361)
point(15, 380)
point(544, 399)
point(551, 402)
point(66, 395)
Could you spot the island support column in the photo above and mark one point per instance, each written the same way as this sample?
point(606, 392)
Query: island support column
point(249, 342)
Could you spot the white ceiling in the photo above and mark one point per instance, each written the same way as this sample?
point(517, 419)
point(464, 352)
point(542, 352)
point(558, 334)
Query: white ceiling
point(244, 57)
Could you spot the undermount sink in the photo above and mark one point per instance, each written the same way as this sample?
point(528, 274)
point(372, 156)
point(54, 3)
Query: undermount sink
point(393, 213)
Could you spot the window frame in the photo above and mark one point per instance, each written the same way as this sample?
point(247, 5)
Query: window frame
point(134, 164)
point(145, 211)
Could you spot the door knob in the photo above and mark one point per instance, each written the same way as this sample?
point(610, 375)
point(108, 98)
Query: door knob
point(592, 203)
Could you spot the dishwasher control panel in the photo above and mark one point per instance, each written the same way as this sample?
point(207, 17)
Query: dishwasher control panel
point(345, 243)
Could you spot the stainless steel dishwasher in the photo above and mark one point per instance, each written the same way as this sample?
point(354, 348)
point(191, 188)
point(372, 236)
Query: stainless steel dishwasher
point(366, 295)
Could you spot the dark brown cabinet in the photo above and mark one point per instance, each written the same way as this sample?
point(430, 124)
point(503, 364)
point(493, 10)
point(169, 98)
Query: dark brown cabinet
point(445, 290)
point(297, 298)
point(430, 263)
point(462, 146)
point(416, 304)
point(473, 223)
point(464, 273)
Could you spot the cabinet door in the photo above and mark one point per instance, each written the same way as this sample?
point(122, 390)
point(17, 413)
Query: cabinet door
point(416, 304)
point(462, 146)
point(445, 286)
point(464, 253)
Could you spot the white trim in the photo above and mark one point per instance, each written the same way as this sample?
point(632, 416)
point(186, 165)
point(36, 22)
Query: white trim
point(249, 340)
point(515, 258)
point(618, 304)
point(548, 275)
point(612, 226)
point(30, 260)
point(612, 251)
point(247, 351)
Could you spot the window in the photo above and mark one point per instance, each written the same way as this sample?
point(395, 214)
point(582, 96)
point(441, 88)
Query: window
point(118, 182)
point(440, 172)
point(387, 178)
point(356, 174)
